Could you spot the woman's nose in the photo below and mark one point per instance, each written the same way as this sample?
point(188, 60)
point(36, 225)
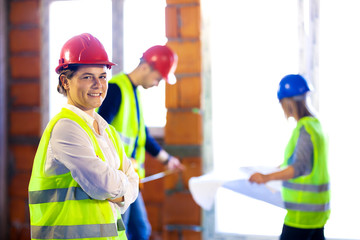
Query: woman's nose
point(97, 81)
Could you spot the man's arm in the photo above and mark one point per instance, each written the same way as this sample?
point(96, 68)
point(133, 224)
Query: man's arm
point(111, 104)
point(155, 150)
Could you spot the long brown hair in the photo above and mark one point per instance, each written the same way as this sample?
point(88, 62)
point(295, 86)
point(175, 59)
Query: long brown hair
point(302, 108)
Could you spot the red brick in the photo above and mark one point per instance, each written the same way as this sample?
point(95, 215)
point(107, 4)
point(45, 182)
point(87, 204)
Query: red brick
point(25, 40)
point(181, 1)
point(25, 232)
point(189, 53)
point(183, 127)
point(180, 208)
point(25, 94)
point(24, 156)
point(190, 21)
point(153, 191)
point(172, 96)
point(25, 66)
point(20, 231)
point(154, 212)
point(24, 12)
point(185, 234)
point(192, 169)
point(18, 208)
point(173, 181)
point(190, 92)
point(19, 185)
point(25, 123)
point(171, 22)
point(152, 165)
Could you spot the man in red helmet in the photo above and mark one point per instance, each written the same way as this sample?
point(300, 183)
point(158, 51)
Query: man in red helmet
point(122, 109)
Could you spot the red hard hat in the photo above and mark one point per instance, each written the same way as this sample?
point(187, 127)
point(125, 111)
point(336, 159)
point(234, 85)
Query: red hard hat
point(83, 49)
point(162, 59)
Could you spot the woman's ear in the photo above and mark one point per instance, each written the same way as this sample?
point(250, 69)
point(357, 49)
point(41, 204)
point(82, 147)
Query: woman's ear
point(64, 82)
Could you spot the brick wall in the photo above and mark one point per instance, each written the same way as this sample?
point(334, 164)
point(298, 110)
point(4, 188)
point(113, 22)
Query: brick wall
point(183, 131)
point(24, 108)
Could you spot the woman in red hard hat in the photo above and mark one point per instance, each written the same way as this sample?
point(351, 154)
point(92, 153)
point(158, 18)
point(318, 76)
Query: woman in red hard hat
point(81, 180)
point(305, 190)
point(122, 109)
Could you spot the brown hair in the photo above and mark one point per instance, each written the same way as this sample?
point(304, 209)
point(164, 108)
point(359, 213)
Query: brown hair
point(69, 73)
point(302, 108)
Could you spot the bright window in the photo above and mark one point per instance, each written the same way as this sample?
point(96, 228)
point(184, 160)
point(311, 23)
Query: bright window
point(339, 107)
point(144, 27)
point(247, 63)
point(70, 18)
point(249, 127)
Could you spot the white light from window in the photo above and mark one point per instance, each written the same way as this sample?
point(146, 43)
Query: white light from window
point(249, 128)
point(144, 27)
point(339, 100)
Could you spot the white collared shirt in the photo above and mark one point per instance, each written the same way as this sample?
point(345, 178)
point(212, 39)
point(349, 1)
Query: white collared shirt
point(70, 150)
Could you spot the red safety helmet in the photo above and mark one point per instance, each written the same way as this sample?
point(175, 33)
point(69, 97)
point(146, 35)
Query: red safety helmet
point(162, 59)
point(83, 49)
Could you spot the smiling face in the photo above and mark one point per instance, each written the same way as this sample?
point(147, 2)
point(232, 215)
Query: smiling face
point(87, 88)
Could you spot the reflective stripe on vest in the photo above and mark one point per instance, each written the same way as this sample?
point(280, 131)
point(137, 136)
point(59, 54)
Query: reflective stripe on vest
point(59, 207)
point(57, 195)
point(126, 122)
point(306, 187)
point(307, 207)
point(73, 231)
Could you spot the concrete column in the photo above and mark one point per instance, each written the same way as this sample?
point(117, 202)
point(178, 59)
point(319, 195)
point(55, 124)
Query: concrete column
point(309, 44)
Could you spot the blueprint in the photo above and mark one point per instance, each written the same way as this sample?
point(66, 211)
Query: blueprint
point(204, 188)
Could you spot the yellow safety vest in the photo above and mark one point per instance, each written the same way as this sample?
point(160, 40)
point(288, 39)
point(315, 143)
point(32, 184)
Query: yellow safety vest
point(59, 207)
point(126, 122)
point(307, 198)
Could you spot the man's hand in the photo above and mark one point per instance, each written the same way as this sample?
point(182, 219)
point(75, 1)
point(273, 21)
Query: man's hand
point(174, 164)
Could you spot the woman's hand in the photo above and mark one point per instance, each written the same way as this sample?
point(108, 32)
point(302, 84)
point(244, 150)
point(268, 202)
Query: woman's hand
point(117, 200)
point(258, 178)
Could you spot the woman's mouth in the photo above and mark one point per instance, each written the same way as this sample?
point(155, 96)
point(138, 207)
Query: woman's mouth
point(95, 94)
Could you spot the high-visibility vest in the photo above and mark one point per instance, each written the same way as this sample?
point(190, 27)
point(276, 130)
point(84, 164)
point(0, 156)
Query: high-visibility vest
point(59, 207)
point(307, 198)
point(131, 131)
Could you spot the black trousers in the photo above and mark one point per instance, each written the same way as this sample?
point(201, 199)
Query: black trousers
point(291, 233)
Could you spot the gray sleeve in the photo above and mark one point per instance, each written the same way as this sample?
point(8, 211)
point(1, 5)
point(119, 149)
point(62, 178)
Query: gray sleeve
point(303, 156)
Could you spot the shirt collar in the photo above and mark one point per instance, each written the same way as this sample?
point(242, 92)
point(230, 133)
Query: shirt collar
point(88, 119)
